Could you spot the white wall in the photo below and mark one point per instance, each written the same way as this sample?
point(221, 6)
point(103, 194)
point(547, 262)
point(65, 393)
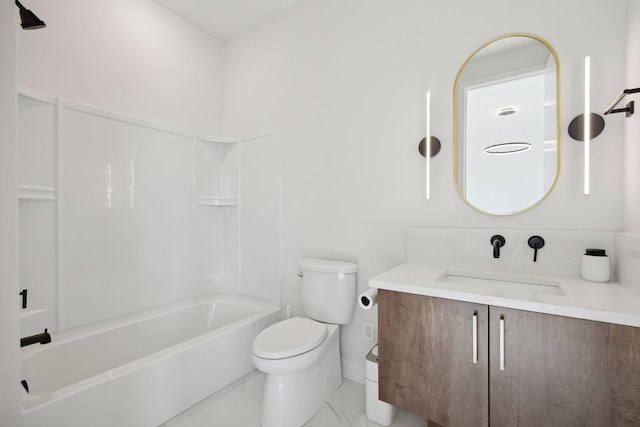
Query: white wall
point(130, 56)
point(9, 300)
point(632, 124)
point(345, 80)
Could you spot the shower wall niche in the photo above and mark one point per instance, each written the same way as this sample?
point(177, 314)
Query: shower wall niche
point(119, 214)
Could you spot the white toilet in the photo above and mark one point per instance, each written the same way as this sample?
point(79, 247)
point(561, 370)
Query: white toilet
point(301, 356)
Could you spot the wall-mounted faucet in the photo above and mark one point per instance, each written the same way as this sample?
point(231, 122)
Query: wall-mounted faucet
point(42, 338)
point(497, 241)
point(535, 243)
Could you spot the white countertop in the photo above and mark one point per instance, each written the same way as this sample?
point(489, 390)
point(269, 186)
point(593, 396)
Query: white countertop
point(603, 302)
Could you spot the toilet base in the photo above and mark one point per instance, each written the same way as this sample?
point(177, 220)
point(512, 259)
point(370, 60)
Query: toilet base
point(290, 400)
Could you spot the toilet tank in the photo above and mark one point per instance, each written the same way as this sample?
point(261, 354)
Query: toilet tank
point(328, 289)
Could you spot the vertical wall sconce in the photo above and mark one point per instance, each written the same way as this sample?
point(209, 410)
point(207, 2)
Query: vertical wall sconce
point(586, 127)
point(428, 150)
point(428, 147)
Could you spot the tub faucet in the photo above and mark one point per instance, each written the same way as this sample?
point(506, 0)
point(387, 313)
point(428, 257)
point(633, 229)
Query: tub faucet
point(497, 241)
point(42, 338)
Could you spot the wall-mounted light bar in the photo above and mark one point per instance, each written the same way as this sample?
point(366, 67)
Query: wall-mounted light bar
point(587, 125)
point(428, 147)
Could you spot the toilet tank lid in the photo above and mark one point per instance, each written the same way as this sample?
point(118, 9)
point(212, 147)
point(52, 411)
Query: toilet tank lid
point(327, 265)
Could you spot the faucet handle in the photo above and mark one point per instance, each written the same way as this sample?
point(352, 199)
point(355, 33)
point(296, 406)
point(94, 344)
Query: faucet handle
point(23, 294)
point(535, 243)
point(499, 238)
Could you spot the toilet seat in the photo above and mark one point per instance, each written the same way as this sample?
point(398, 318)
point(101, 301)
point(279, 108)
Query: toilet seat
point(289, 338)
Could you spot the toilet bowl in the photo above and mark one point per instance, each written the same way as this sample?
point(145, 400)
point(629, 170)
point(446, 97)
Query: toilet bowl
point(301, 358)
point(301, 355)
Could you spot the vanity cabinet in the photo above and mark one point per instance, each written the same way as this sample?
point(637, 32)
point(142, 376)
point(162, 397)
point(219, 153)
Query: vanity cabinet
point(425, 361)
point(526, 368)
point(561, 371)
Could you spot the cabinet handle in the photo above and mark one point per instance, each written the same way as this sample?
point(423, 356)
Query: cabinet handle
point(502, 343)
point(475, 338)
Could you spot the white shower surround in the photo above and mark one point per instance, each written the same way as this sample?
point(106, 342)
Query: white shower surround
point(142, 369)
point(119, 214)
point(121, 219)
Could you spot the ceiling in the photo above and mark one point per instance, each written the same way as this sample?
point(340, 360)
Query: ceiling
point(225, 19)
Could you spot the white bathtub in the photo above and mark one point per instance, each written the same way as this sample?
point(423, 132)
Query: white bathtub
point(142, 369)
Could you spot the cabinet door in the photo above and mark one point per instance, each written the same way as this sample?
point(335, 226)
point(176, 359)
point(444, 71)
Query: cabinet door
point(560, 371)
point(426, 358)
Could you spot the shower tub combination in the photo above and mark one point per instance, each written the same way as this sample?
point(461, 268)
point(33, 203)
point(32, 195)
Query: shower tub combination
point(142, 369)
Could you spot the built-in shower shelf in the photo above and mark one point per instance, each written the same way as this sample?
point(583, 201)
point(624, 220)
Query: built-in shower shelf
point(217, 201)
point(26, 192)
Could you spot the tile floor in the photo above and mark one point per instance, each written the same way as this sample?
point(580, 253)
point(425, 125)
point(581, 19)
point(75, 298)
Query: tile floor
point(240, 405)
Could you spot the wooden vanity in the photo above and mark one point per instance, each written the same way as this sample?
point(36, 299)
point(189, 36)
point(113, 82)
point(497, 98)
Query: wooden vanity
point(462, 363)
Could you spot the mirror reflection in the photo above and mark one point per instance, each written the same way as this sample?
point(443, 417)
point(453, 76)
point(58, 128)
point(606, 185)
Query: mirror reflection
point(506, 146)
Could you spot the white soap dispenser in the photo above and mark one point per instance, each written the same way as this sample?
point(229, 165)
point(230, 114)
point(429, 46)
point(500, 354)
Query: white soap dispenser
point(596, 266)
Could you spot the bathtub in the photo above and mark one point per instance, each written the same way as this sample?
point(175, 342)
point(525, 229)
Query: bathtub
point(141, 369)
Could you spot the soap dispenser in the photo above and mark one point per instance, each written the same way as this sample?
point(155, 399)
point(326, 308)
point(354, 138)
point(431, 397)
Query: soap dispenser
point(596, 266)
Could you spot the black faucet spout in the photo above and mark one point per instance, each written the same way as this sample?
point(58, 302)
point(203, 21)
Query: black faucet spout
point(497, 241)
point(43, 338)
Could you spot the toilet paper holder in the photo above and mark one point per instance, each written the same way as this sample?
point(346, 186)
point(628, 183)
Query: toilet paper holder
point(368, 299)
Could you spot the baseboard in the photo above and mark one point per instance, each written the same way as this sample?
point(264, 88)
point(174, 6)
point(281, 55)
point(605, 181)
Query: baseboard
point(353, 372)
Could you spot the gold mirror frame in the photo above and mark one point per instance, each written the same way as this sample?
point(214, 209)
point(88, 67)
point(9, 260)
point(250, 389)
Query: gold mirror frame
point(455, 121)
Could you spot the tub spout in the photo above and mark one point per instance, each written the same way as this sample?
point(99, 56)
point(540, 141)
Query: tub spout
point(43, 338)
point(497, 241)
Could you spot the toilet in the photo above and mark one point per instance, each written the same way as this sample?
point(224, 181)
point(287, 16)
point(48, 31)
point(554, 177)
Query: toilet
point(301, 355)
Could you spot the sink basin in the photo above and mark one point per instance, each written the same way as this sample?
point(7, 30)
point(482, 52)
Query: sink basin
point(502, 283)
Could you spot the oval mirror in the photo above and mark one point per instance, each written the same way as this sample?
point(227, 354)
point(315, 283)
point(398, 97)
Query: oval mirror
point(506, 127)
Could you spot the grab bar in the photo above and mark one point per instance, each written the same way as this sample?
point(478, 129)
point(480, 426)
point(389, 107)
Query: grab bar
point(629, 109)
